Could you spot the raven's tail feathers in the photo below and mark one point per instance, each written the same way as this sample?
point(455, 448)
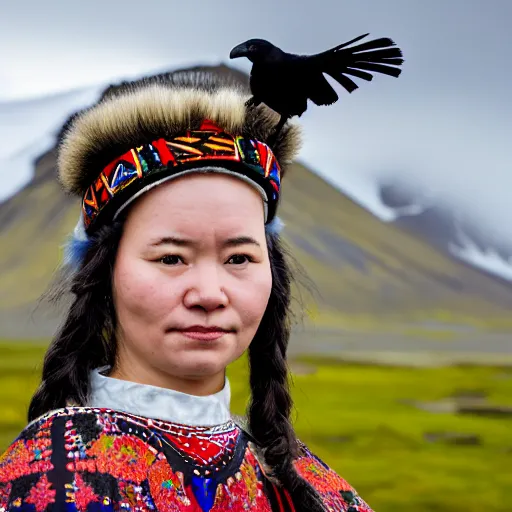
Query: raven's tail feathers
point(377, 68)
point(382, 42)
point(343, 45)
point(343, 80)
point(377, 56)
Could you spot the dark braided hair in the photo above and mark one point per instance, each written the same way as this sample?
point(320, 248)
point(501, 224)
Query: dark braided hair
point(86, 341)
point(271, 403)
point(86, 338)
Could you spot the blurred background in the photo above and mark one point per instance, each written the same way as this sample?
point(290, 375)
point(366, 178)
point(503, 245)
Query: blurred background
point(398, 212)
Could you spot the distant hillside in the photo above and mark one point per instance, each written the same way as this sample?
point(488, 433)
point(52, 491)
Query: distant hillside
point(359, 264)
point(363, 265)
point(445, 228)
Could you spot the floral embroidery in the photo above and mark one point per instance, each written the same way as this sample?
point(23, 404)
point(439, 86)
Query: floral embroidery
point(108, 460)
point(244, 491)
point(41, 495)
point(5, 492)
point(337, 494)
point(134, 498)
point(124, 456)
point(168, 489)
point(15, 462)
point(81, 494)
point(27, 456)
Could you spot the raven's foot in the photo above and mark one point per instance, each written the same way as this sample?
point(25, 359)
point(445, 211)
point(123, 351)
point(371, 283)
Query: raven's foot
point(252, 102)
point(273, 138)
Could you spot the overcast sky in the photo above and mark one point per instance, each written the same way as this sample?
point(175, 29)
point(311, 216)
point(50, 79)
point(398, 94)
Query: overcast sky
point(446, 122)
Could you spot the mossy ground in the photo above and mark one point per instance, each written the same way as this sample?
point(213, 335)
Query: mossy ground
point(356, 418)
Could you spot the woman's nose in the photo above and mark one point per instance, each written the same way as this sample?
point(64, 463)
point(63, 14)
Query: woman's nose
point(206, 290)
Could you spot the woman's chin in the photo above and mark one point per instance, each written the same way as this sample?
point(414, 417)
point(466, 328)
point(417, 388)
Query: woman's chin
point(200, 364)
point(198, 358)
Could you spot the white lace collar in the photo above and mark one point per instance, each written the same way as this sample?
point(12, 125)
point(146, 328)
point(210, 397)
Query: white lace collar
point(158, 403)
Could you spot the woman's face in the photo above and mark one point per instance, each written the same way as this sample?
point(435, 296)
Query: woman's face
point(191, 282)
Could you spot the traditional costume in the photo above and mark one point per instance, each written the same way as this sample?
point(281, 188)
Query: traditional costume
point(141, 448)
point(136, 447)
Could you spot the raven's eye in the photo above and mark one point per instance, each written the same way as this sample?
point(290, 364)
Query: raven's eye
point(253, 48)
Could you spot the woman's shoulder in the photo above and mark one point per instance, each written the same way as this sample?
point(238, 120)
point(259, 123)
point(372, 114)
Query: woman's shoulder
point(335, 491)
point(26, 460)
point(31, 450)
point(39, 453)
point(48, 422)
point(56, 430)
point(73, 454)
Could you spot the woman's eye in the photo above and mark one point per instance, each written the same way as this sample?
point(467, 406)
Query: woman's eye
point(239, 259)
point(170, 259)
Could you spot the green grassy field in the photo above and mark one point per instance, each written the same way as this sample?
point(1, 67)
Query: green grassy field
point(357, 419)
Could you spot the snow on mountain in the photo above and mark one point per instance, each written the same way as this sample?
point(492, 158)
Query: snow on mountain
point(485, 258)
point(447, 227)
point(28, 129)
point(366, 191)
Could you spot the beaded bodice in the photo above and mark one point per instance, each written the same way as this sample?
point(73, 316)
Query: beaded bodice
point(101, 459)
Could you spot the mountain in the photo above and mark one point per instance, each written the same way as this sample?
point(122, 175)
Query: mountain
point(361, 267)
point(444, 227)
point(28, 130)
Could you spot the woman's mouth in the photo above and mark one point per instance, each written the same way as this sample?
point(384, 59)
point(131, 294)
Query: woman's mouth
point(202, 333)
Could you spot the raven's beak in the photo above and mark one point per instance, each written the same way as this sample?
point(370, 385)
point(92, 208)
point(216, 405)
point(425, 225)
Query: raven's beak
point(239, 51)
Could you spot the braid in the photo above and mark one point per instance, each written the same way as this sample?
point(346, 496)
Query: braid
point(85, 340)
point(271, 403)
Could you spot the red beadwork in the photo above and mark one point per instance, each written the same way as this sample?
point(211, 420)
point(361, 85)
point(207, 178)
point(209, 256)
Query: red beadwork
point(132, 450)
point(81, 494)
point(329, 485)
point(168, 491)
point(26, 457)
point(42, 494)
point(124, 456)
point(5, 492)
point(205, 449)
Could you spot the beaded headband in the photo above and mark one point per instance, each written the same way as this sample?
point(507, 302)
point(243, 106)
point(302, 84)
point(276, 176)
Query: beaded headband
point(209, 149)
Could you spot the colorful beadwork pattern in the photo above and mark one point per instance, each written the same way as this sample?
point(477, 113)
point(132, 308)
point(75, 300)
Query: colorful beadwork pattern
point(99, 460)
point(206, 146)
point(336, 492)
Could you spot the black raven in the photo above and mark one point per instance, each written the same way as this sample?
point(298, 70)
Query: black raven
point(284, 81)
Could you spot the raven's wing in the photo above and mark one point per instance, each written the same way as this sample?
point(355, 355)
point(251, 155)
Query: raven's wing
point(309, 81)
point(319, 90)
point(378, 56)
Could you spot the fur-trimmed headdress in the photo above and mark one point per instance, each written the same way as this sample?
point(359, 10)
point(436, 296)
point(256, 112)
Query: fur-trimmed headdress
point(146, 132)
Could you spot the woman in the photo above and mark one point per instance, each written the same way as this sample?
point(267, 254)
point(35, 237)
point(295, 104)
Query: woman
point(179, 271)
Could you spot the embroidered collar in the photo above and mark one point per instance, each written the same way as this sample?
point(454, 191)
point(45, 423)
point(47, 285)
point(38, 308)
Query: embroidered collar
point(158, 403)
